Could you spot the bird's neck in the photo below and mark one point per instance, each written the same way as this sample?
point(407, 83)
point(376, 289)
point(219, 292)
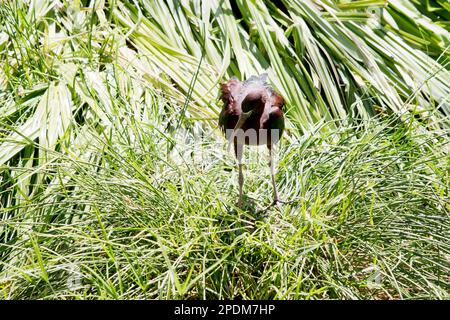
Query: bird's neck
point(260, 109)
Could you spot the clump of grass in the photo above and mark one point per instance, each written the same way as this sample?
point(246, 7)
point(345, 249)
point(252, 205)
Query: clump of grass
point(368, 218)
point(114, 182)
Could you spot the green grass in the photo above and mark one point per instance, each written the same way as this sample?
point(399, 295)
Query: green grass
point(143, 223)
point(115, 182)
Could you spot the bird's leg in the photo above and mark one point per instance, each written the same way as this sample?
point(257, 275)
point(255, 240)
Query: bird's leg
point(242, 118)
point(241, 184)
point(238, 149)
point(276, 198)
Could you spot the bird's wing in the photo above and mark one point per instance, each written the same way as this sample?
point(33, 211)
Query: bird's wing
point(230, 90)
point(277, 100)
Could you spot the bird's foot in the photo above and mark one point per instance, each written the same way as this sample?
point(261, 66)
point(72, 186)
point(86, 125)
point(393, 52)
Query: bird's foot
point(276, 201)
point(279, 201)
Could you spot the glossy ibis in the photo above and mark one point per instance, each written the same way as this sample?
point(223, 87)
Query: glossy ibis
point(252, 115)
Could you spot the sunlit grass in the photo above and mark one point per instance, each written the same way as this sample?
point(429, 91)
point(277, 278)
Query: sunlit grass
point(115, 181)
point(368, 219)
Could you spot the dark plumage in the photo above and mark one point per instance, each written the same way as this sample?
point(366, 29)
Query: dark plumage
point(252, 115)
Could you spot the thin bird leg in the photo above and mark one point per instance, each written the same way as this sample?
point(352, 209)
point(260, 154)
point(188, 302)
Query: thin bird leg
point(242, 118)
point(238, 149)
point(276, 198)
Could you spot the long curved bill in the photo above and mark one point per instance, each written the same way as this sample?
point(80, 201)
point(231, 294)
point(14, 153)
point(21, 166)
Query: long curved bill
point(242, 118)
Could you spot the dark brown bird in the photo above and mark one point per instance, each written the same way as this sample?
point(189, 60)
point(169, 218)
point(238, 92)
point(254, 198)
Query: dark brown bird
point(252, 115)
